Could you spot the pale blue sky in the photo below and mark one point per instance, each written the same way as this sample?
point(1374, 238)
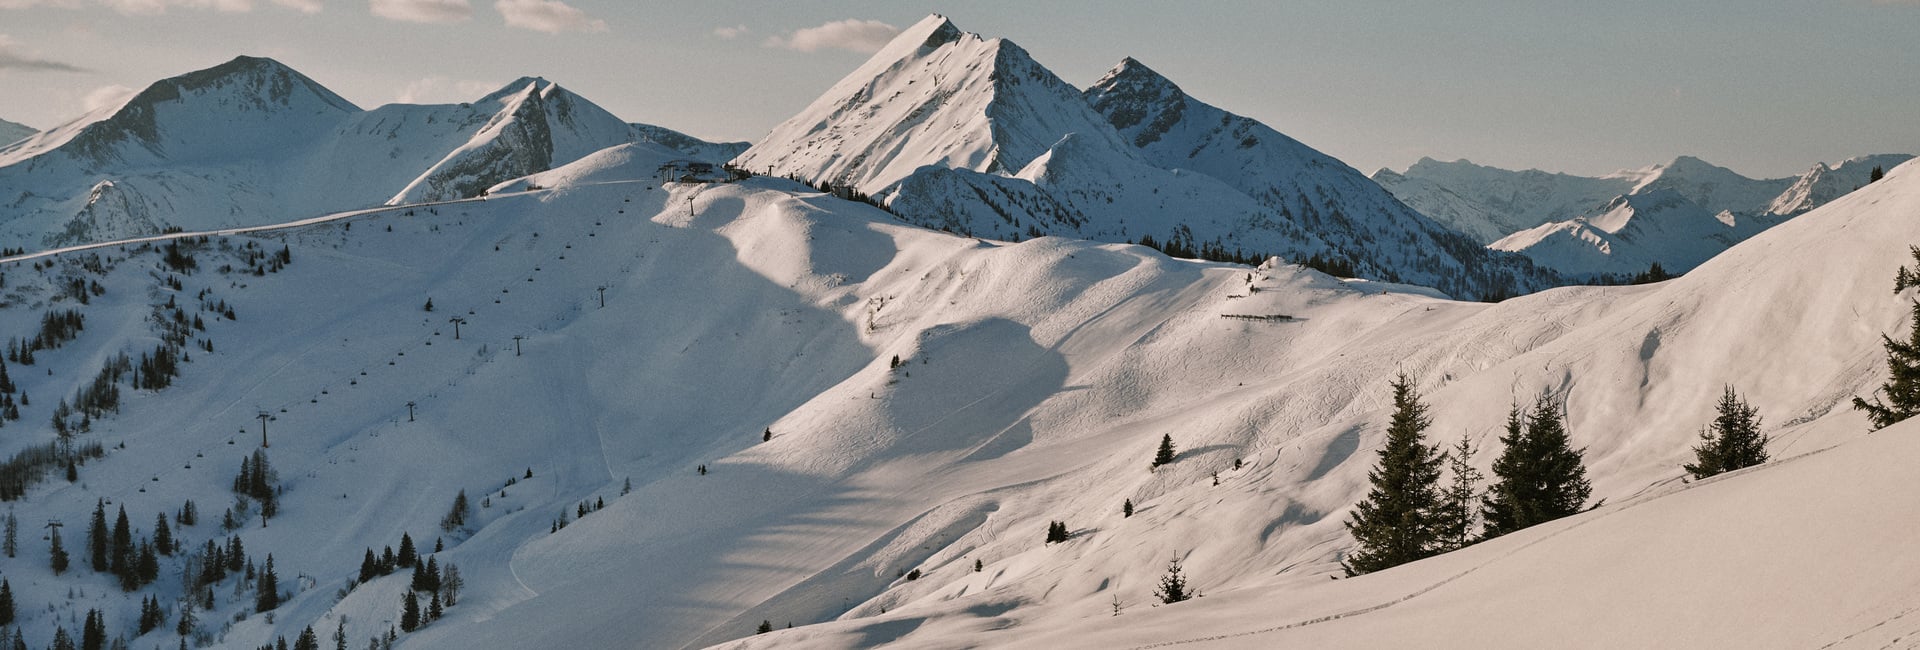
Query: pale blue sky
point(1766, 87)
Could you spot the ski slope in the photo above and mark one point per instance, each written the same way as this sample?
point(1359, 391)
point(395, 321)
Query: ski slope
point(1034, 381)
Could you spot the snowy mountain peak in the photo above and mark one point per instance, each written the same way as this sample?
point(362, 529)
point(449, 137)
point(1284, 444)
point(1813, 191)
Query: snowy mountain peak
point(247, 100)
point(1130, 92)
point(933, 96)
point(519, 87)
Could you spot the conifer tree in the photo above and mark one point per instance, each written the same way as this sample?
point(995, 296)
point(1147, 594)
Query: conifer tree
point(1876, 174)
point(162, 534)
point(1399, 521)
point(1539, 476)
point(410, 612)
point(61, 640)
point(1732, 441)
point(120, 557)
point(267, 594)
point(434, 609)
point(1126, 508)
point(12, 541)
point(1165, 453)
point(765, 627)
point(1902, 388)
point(457, 516)
point(97, 537)
point(369, 567)
point(59, 555)
point(307, 640)
point(188, 515)
point(93, 633)
point(1173, 586)
point(6, 603)
point(1460, 500)
point(184, 626)
point(149, 614)
point(407, 555)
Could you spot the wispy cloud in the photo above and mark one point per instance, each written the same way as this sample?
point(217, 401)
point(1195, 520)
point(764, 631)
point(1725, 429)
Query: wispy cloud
point(550, 16)
point(302, 6)
point(422, 11)
point(136, 7)
point(731, 33)
point(444, 90)
point(863, 36)
point(105, 96)
point(13, 57)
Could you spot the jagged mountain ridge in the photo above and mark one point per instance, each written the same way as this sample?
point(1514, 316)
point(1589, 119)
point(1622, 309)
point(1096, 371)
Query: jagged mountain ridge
point(953, 130)
point(1368, 225)
point(253, 141)
point(1556, 219)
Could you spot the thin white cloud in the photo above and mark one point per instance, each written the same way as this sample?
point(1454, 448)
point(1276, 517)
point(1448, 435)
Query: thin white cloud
point(550, 16)
point(863, 36)
point(731, 33)
point(105, 96)
point(136, 7)
point(422, 11)
point(444, 90)
point(13, 57)
point(302, 6)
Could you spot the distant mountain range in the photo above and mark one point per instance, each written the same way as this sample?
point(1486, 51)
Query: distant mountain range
point(1678, 214)
point(953, 130)
point(252, 141)
point(11, 132)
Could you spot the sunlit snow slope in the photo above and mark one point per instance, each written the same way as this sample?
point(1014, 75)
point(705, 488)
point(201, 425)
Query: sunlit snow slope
point(1033, 381)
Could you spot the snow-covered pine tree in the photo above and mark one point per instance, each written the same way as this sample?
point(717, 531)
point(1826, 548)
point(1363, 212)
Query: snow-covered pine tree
point(1399, 521)
point(1732, 441)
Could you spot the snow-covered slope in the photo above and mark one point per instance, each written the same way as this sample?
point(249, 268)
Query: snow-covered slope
point(1034, 380)
point(1791, 317)
point(1801, 554)
point(252, 141)
point(952, 130)
point(11, 132)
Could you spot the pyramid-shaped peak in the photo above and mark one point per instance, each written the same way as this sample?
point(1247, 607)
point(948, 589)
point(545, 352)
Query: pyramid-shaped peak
point(1131, 70)
point(263, 80)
